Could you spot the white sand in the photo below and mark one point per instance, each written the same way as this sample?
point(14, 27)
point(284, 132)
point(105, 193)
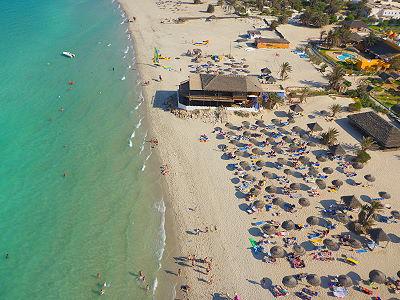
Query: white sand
point(199, 179)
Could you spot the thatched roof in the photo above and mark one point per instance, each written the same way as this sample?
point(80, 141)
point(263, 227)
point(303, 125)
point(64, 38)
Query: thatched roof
point(314, 127)
point(345, 281)
point(289, 281)
point(313, 279)
point(337, 150)
point(299, 250)
point(224, 83)
point(377, 276)
point(296, 108)
point(355, 24)
point(373, 125)
point(277, 252)
point(378, 235)
point(270, 41)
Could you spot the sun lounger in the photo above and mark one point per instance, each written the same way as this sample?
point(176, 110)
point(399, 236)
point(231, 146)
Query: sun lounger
point(352, 261)
point(371, 245)
point(340, 292)
point(360, 251)
point(310, 292)
point(303, 296)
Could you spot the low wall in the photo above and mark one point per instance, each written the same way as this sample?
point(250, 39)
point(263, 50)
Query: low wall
point(185, 107)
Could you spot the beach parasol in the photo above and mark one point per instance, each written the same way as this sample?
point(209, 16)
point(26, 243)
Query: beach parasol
point(321, 184)
point(337, 183)
point(260, 123)
point(398, 274)
point(342, 218)
point(287, 139)
point(304, 136)
point(314, 127)
point(257, 151)
point(268, 229)
point(396, 214)
point(266, 70)
point(267, 174)
point(296, 108)
point(313, 279)
point(321, 158)
point(384, 195)
point(378, 235)
point(277, 201)
point(331, 245)
point(289, 281)
point(277, 252)
point(260, 163)
point(275, 121)
point(369, 178)
point(355, 244)
point(288, 225)
point(270, 140)
point(247, 133)
point(246, 124)
point(304, 202)
point(351, 201)
point(281, 160)
point(345, 281)
point(240, 153)
point(299, 250)
point(295, 186)
point(229, 125)
point(377, 276)
point(312, 144)
point(312, 220)
point(254, 141)
point(304, 159)
point(296, 129)
point(337, 150)
point(312, 171)
point(327, 170)
point(288, 172)
point(248, 177)
point(244, 164)
point(358, 165)
point(264, 131)
point(271, 189)
point(291, 120)
point(254, 191)
point(259, 204)
point(277, 149)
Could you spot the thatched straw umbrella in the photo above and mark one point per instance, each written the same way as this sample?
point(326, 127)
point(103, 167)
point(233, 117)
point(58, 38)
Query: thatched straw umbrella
point(337, 183)
point(345, 281)
point(313, 171)
point(296, 108)
point(312, 144)
point(267, 174)
point(260, 163)
point(398, 274)
point(342, 218)
point(385, 195)
point(245, 165)
point(240, 153)
point(299, 250)
point(247, 133)
point(351, 201)
point(396, 214)
point(327, 170)
point(248, 177)
point(229, 125)
point(377, 276)
point(254, 141)
point(288, 225)
point(277, 149)
point(277, 252)
point(268, 229)
point(255, 191)
point(313, 279)
point(260, 123)
point(289, 281)
point(331, 245)
point(246, 124)
point(296, 129)
point(264, 131)
point(257, 151)
point(355, 244)
point(271, 189)
point(321, 158)
point(288, 172)
point(358, 165)
point(304, 136)
point(369, 178)
point(314, 127)
point(259, 204)
point(304, 202)
point(304, 159)
point(291, 120)
point(281, 160)
point(277, 201)
point(295, 186)
point(312, 220)
point(337, 150)
point(320, 183)
point(378, 235)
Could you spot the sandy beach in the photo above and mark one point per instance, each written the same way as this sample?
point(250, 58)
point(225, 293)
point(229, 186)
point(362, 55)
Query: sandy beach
point(201, 186)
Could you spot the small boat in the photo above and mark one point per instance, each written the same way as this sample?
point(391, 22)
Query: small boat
point(68, 54)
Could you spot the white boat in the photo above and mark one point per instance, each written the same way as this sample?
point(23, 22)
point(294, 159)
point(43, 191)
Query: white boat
point(68, 54)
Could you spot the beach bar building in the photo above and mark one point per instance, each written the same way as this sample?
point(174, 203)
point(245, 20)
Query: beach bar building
point(371, 124)
point(207, 90)
point(273, 43)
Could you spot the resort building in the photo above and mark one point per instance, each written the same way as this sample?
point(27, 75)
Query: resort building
point(207, 90)
point(371, 124)
point(356, 26)
point(271, 43)
point(385, 11)
point(383, 49)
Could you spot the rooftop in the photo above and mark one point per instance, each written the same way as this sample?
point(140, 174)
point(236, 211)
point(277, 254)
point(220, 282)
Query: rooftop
point(384, 49)
point(358, 24)
point(271, 40)
point(224, 83)
point(373, 125)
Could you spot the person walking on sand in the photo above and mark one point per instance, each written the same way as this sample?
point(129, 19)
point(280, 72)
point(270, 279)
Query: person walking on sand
point(179, 272)
point(98, 275)
point(159, 78)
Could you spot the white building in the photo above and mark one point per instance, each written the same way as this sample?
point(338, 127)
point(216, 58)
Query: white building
point(385, 10)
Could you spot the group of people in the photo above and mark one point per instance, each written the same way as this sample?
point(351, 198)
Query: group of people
point(104, 285)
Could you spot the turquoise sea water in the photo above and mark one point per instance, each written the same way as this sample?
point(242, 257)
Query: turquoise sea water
point(106, 214)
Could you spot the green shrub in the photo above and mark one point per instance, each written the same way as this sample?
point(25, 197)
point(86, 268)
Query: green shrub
point(356, 106)
point(363, 156)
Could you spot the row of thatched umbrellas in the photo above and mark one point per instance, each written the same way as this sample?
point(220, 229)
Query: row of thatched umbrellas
point(343, 280)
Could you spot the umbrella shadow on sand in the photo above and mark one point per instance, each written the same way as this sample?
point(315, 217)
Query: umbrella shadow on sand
point(366, 198)
point(219, 296)
point(240, 195)
point(394, 238)
point(327, 203)
point(255, 231)
point(243, 207)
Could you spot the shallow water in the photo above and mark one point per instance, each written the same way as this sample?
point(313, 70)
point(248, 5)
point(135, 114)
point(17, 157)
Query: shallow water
point(74, 117)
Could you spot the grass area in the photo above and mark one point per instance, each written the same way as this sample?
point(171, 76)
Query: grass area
point(383, 28)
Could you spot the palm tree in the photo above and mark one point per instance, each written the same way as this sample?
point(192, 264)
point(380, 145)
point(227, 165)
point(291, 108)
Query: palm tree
point(322, 68)
point(371, 39)
point(285, 69)
point(330, 137)
point(367, 143)
point(304, 94)
point(273, 100)
point(322, 34)
point(367, 213)
point(335, 109)
point(336, 76)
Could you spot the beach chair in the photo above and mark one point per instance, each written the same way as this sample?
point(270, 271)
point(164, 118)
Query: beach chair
point(340, 292)
point(352, 261)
